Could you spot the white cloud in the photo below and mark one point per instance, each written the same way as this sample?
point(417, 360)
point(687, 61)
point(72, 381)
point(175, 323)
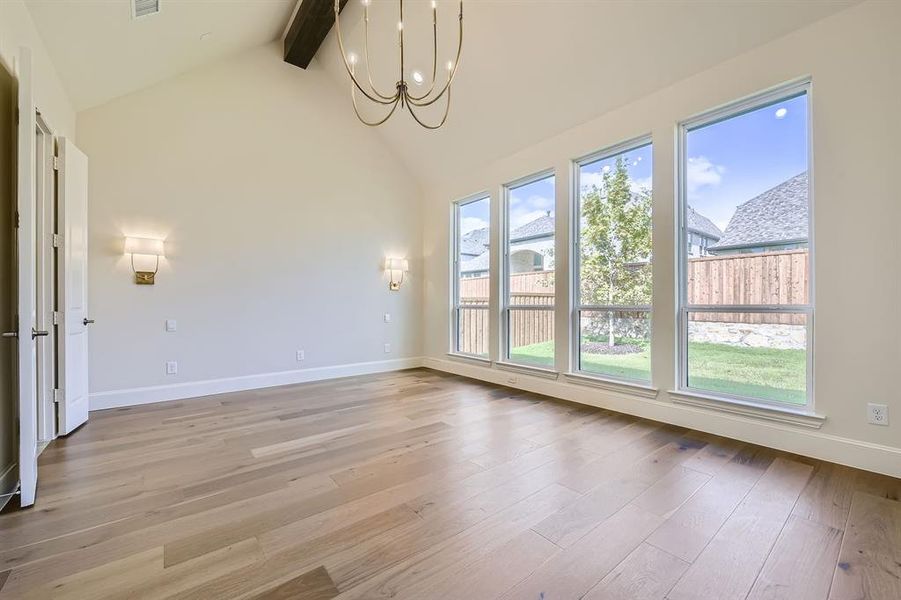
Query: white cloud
point(700, 172)
point(640, 185)
point(468, 224)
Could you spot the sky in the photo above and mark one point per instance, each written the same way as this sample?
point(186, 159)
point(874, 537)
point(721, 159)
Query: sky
point(729, 163)
point(735, 160)
point(531, 201)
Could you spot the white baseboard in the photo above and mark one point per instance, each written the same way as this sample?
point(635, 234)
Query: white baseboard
point(799, 440)
point(194, 389)
point(8, 484)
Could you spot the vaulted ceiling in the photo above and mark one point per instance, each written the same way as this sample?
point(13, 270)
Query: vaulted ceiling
point(101, 53)
point(530, 68)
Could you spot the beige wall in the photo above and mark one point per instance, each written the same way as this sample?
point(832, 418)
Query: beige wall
point(278, 209)
point(854, 59)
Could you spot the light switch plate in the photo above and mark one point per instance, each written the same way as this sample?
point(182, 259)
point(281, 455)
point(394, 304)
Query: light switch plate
point(171, 367)
point(171, 325)
point(387, 348)
point(387, 317)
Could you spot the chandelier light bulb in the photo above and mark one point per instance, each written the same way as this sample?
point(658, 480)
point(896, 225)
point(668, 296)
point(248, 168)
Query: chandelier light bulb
point(352, 58)
point(366, 2)
point(400, 25)
point(434, 4)
point(450, 65)
point(417, 77)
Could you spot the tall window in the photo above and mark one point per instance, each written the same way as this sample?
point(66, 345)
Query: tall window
point(746, 306)
point(472, 220)
point(613, 269)
point(529, 272)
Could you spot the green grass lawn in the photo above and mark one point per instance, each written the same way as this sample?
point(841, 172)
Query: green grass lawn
point(765, 373)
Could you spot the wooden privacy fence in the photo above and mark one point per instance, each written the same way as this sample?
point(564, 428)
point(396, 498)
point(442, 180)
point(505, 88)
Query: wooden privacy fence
point(763, 278)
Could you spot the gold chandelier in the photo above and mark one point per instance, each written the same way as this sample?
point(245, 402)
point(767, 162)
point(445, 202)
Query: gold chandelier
point(401, 96)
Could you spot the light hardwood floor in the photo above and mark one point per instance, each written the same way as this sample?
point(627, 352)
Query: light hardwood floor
point(422, 485)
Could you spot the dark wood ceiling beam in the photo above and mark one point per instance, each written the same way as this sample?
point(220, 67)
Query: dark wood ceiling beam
point(311, 24)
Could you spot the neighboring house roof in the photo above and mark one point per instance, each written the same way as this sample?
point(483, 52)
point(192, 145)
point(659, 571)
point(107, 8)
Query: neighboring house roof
point(541, 227)
point(777, 216)
point(475, 242)
point(475, 265)
point(698, 223)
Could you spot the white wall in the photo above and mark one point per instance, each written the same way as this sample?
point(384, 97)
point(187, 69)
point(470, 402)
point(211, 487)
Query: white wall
point(16, 30)
point(854, 59)
point(277, 208)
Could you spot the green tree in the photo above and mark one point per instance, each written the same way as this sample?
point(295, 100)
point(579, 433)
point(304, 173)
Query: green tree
point(616, 243)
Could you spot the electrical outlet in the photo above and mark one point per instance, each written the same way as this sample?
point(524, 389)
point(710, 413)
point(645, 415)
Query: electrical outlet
point(171, 367)
point(300, 355)
point(387, 348)
point(877, 414)
point(171, 325)
point(387, 317)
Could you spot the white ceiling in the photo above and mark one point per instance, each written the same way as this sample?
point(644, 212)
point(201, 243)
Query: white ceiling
point(533, 68)
point(530, 68)
point(101, 53)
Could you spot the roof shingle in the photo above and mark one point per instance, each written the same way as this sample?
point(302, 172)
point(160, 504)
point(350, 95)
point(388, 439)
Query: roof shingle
point(778, 215)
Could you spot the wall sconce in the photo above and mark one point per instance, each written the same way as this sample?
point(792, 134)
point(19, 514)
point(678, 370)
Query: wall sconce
point(144, 247)
point(396, 268)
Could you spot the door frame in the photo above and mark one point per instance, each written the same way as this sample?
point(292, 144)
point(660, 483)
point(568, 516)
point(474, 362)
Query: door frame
point(46, 198)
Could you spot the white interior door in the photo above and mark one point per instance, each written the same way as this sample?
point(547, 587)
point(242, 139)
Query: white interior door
point(72, 407)
point(25, 260)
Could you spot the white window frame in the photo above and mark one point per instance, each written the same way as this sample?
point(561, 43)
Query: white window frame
point(576, 267)
point(506, 272)
point(732, 110)
point(455, 304)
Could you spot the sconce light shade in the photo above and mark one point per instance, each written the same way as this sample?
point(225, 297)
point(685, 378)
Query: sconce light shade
point(148, 246)
point(144, 247)
point(397, 264)
point(394, 266)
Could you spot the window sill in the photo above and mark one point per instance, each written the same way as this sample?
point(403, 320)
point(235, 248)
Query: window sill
point(527, 370)
point(615, 385)
point(469, 358)
point(768, 412)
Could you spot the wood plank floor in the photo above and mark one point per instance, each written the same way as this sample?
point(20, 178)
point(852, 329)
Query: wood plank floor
point(423, 485)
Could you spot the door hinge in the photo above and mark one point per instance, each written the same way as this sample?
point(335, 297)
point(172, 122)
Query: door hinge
point(58, 395)
point(56, 163)
point(57, 240)
point(16, 224)
point(57, 317)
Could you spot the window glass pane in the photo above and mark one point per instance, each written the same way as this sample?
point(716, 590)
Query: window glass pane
point(747, 218)
point(473, 288)
point(530, 272)
point(530, 239)
point(753, 355)
point(531, 335)
point(615, 229)
point(472, 330)
point(473, 256)
point(626, 354)
point(614, 252)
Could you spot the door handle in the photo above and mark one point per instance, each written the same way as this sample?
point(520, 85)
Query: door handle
point(35, 333)
point(87, 321)
point(10, 334)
